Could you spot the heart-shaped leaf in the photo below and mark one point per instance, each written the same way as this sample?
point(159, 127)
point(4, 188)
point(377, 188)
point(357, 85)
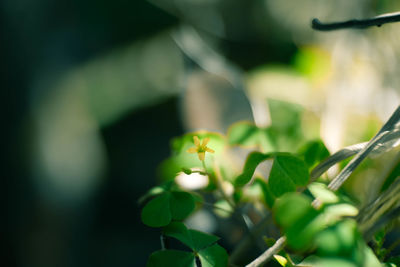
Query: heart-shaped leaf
point(181, 205)
point(174, 205)
point(252, 161)
point(287, 173)
point(194, 239)
point(213, 256)
point(157, 212)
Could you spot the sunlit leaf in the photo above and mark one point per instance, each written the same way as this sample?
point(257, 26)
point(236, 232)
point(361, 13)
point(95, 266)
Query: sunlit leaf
point(249, 135)
point(300, 222)
point(286, 174)
point(223, 209)
point(321, 191)
point(285, 116)
point(291, 208)
point(268, 195)
point(339, 239)
point(315, 261)
point(250, 166)
point(281, 260)
point(168, 258)
point(243, 133)
point(313, 152)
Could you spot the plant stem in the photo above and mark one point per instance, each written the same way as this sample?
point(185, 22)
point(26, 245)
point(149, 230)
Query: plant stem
point(354, 23)
point(162, 240)
point(219, 182)
point(267, 255)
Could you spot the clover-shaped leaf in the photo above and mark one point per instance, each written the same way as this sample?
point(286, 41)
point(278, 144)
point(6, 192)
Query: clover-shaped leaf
point(203, 245)
point(167, 206)
point(313, 152)
point(288, 172)
point(194, 239)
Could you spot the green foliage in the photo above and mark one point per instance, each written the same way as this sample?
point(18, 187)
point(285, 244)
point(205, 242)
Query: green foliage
point(288, 173)
point(284, 133)
point(202, 245)
point(313, 152)
point(193, 239)
point(321, 227)
point(302, 222)
point(167, 206)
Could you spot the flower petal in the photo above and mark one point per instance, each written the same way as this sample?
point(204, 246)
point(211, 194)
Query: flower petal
point(192, 150)
point(205, 141)
point(209, 150)
point(201, 155)
point(196, 140)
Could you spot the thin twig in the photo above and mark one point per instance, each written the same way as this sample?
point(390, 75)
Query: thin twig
point(220, 185)
point(357, 24)
point(263, 258)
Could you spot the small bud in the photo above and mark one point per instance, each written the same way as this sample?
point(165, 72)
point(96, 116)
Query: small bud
point(187, 171)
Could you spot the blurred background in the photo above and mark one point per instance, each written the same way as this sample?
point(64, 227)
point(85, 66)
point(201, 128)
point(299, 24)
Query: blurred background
point(94, 91)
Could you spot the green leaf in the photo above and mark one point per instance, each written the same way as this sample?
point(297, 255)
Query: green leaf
point(179, 231)
point(181, 205)
point(281, 260)
point(213, 256)
point(290, 208)
point(249, 135)
point(323, 193)
point(202, 240)
point(167, 258)
point(339, 239)
point(315, 261)
point(298, 219)
point(285, 116)
point(243, 133)
point(157, 213)
point(194, 239)
point(368, 259)
point(268, 195)
point(223, 209)
point(313, 152)
point(302, 223)
point(252, 161)
point(287, 173)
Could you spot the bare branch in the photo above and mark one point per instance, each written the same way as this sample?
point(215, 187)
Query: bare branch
point(357, 24)
point(266, 256)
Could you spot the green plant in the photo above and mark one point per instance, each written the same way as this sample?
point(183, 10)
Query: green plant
point(281, 188)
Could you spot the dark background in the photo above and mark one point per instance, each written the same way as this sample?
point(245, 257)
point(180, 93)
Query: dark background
point(54, 37)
